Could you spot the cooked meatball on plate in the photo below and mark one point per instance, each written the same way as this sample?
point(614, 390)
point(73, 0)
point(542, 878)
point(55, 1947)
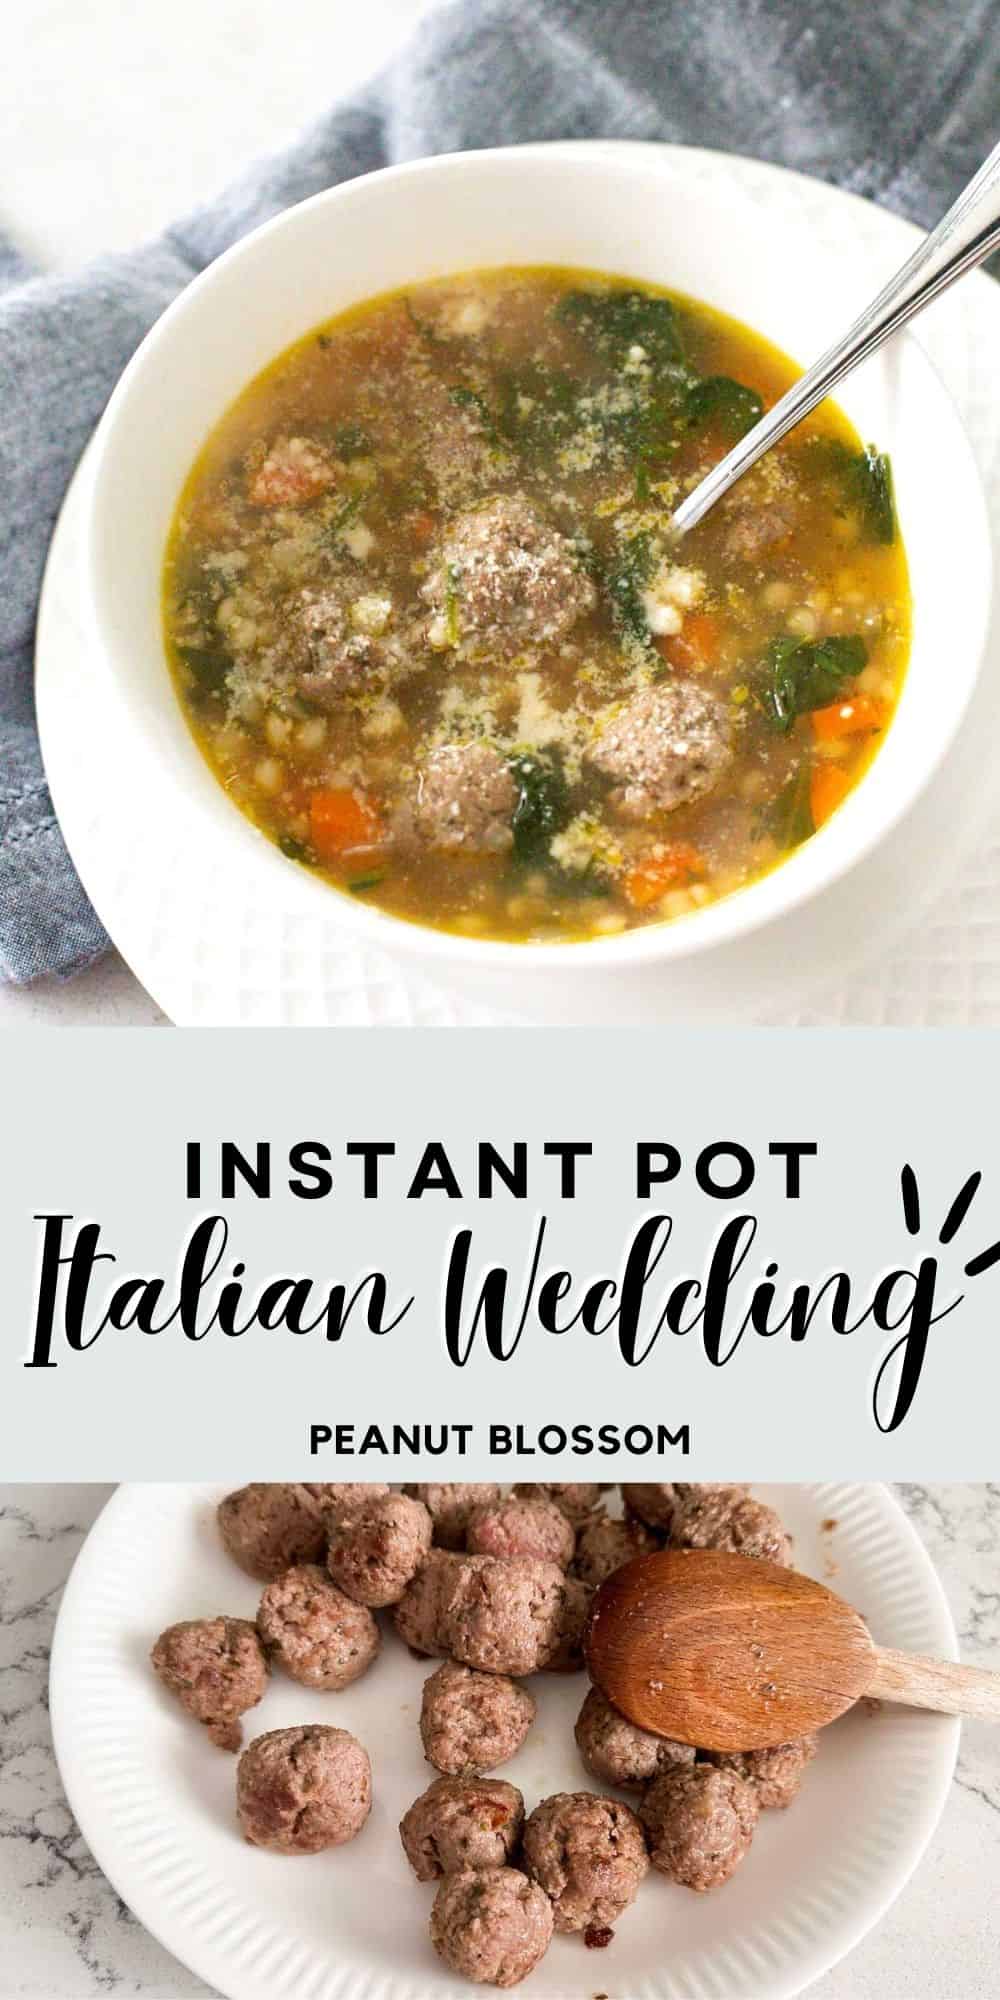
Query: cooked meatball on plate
point(462, 1823)
point(314, 1631)
point(589, 1855)
point(408, 1822)
point(471, 1722)
point(267, 1528)
point(217, 1668)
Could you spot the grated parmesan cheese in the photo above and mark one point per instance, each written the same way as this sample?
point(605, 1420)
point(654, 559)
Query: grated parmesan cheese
point(384, 718)
point(672, 592)
point(358, 538)
point(586, 841)
point(371, 614)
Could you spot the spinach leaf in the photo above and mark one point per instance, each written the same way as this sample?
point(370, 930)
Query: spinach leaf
point(348, 510)
point(542, 807)
point(802, 674)
point(864, 479)
point(878, 505)
point(728, 405)
point(351, 441)
point(644, 430)
point(538, 407)
point(625, 577)
point(209, 664)
point(296, 850)
point(362, 883)
point(612, 322)
point(470, 399)
point(788, 818)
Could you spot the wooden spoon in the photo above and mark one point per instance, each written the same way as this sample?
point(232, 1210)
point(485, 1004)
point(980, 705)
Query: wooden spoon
point(730, 1653)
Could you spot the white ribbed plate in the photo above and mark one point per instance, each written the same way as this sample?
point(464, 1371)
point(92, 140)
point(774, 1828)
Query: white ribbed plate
point(155, 1801)
point(911, 937)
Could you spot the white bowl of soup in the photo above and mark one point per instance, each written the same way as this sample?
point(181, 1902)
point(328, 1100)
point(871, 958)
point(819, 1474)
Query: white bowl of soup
point(379, 549)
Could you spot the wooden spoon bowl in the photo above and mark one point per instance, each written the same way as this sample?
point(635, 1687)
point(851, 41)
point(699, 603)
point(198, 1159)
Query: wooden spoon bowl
point(729, 1653)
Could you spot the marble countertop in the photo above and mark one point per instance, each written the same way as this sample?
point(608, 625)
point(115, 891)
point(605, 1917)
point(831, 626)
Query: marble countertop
point(65, 1934)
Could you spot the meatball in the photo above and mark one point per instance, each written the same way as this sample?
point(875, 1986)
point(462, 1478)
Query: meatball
point(417, 1616)
point(577, 1498)
point(505, 581)
point(463, 802)
point(267, 1528)
point(775, 1774)
point(667, 746)
point(755, 527)
point(300, 1790)
point(507, 1617)
point(699, 1822)
point(333, 657)
point(462, 1823)
point(743, 1526)
point(516, 1527)
point(603, 1545)
point(318, 1635)
point(471, 1722)
point(336, 1500)
point(450, 1506)
point(618, 1752)
point(588, 1854)
point(654, 1505)
point(217, 1670)
point(376, 1550)
point(342, 637)
point(566, 1656)
point(708, 1488)
point(491, 1925)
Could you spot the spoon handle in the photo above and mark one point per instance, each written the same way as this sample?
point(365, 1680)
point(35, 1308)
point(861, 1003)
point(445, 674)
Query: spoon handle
point(964, 237)
point(938, 1684)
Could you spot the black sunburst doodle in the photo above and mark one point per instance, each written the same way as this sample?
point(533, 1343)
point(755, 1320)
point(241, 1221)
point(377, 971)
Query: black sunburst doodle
point(957, 1212)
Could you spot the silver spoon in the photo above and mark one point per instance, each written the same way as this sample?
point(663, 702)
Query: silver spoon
point(964, 237)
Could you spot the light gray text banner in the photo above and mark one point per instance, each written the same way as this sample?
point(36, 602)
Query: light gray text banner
point(775, 1261)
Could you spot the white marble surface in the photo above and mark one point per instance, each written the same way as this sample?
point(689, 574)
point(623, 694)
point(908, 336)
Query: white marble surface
point(64, 1934)
point(115, 119)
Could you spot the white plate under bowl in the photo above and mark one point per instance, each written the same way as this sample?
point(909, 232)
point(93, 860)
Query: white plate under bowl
point(155, 1801)
point(216, 947)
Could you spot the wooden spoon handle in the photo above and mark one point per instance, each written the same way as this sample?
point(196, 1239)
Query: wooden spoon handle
point(939, 1684)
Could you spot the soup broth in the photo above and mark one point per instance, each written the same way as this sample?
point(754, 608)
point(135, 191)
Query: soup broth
point(430, 629)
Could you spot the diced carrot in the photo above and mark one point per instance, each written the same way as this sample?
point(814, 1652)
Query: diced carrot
point(828, 787)
point(701, 636)
point(851, 717)
point(661, 870)
point(340, 822)
point(698, 644)
point(421, 525)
